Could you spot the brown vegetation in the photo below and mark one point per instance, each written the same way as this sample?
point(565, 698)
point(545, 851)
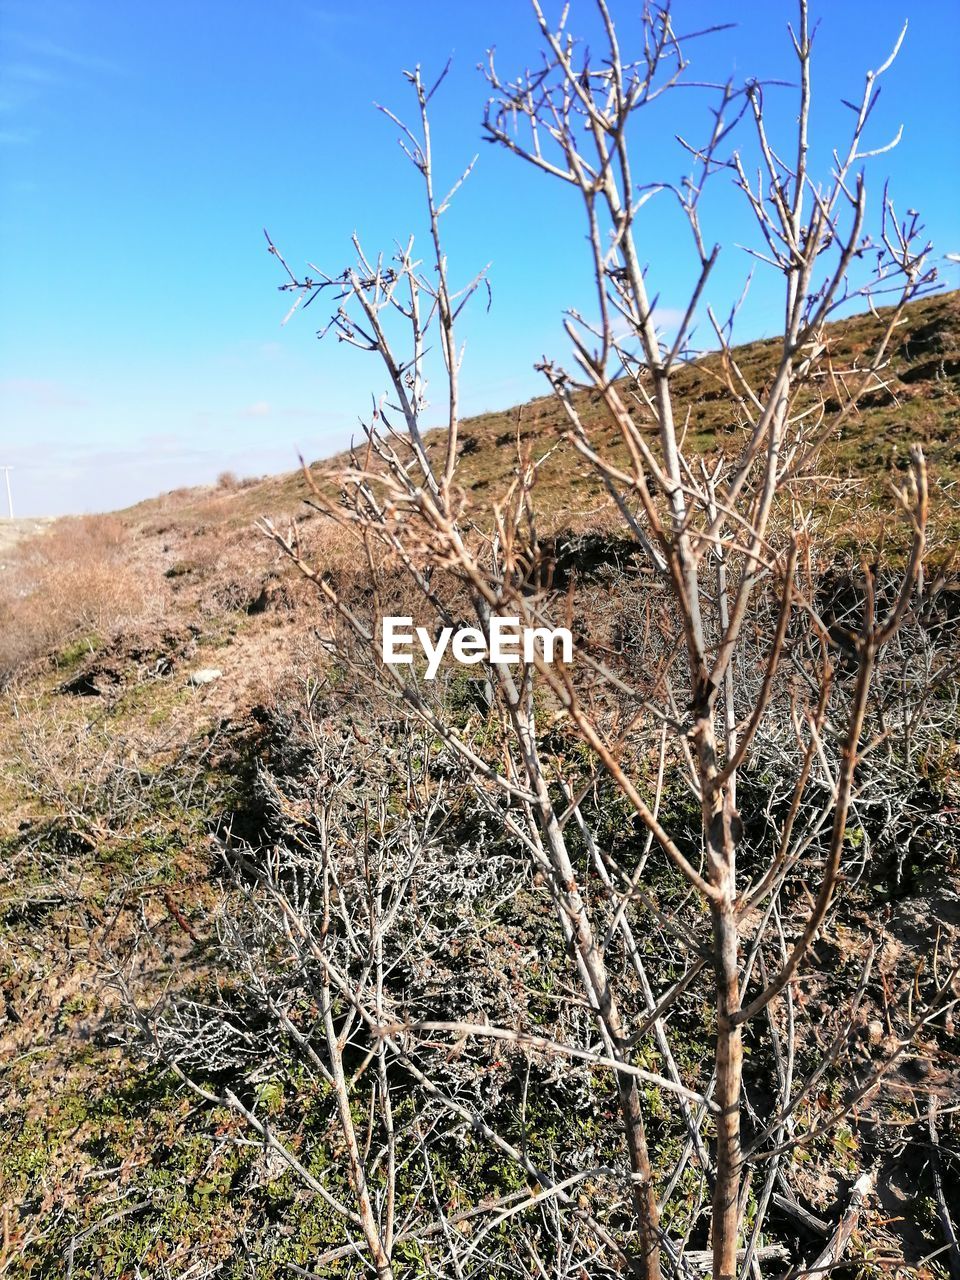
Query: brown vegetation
point(71, 584)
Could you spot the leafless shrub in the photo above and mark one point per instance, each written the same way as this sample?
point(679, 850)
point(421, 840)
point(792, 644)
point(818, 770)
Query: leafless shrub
point(683, 798)
point(370, 879)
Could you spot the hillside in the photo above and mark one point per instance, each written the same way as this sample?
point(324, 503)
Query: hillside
point(164, 675)
point(920, 401)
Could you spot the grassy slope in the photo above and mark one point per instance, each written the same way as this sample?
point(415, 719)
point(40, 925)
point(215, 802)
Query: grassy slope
point(920, 402)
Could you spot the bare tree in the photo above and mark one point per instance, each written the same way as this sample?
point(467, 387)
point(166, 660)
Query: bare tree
point(739, 693)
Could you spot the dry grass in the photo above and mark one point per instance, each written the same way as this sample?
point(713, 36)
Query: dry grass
point(75, 582)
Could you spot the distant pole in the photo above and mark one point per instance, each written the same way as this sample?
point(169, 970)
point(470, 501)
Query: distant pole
point(6, 476)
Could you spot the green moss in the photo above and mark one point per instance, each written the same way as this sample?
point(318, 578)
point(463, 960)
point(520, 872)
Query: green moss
point(77, 650)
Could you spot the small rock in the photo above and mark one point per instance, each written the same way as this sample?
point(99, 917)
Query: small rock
point(206, 675)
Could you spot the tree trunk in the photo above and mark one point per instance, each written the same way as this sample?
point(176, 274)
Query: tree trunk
point(729, 1061)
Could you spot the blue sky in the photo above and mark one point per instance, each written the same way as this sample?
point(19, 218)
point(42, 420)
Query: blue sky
point(144, 146)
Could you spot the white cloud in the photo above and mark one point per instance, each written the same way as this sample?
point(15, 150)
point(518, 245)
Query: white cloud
point(72, 57)
point(666, 319)
point(259, 409)
point(41, 393)
point(16, 137)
